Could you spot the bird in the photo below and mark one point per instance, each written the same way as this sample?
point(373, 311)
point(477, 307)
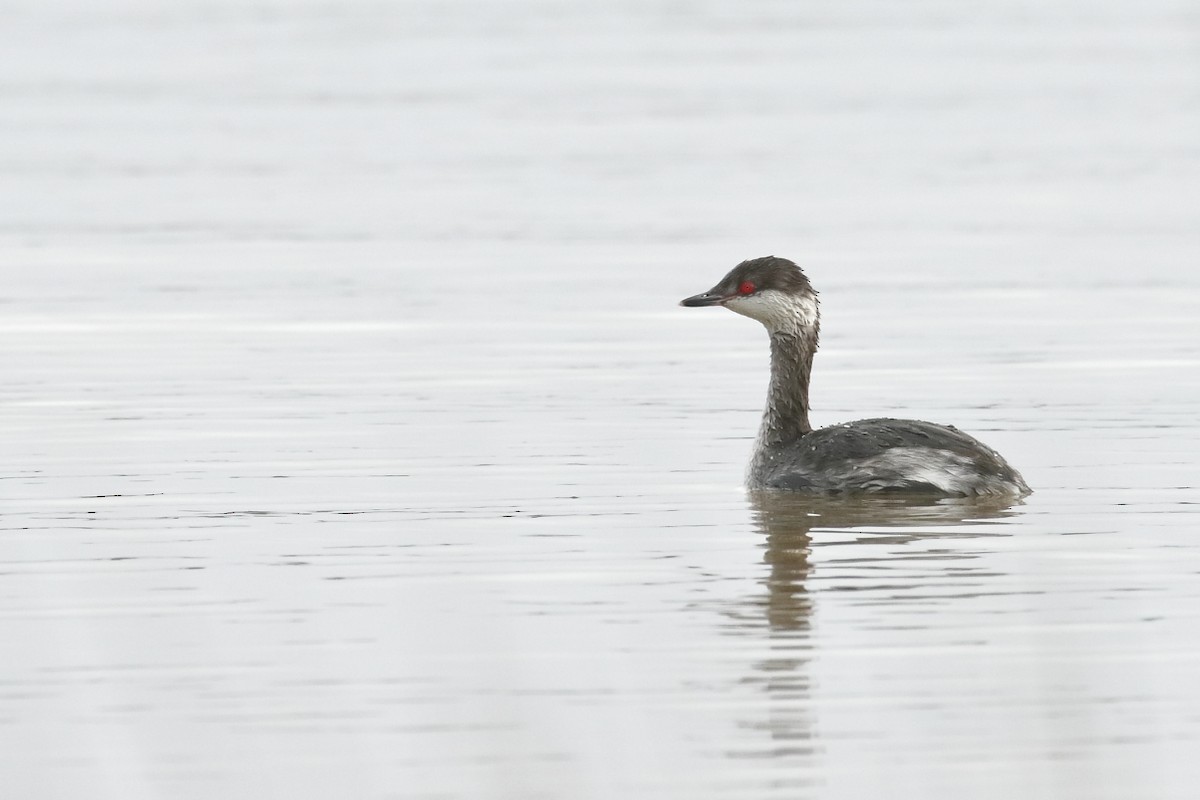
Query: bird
point(880, 455)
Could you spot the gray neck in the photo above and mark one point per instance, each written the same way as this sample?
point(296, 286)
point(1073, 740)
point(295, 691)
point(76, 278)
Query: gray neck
point(786, 416)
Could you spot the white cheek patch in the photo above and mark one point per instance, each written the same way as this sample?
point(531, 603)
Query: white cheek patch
point(778, 311)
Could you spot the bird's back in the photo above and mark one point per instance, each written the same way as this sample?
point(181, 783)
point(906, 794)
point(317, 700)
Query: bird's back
point(886, 455)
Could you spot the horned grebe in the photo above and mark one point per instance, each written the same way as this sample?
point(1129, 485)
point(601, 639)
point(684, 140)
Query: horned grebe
point(868, 455)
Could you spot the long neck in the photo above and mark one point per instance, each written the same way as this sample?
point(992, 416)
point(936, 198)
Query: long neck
point(786, 416)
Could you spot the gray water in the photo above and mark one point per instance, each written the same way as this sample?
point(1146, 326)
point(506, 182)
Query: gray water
point(353, 444)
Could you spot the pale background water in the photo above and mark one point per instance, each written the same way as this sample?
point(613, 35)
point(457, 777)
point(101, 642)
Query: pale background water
point(353, 444)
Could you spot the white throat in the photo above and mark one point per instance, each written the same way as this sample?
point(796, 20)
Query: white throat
point(779, 312)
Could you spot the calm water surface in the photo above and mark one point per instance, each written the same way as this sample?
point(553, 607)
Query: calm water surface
point(354, 446)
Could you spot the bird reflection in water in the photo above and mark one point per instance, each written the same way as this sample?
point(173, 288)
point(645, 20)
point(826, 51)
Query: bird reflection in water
point(782, 614)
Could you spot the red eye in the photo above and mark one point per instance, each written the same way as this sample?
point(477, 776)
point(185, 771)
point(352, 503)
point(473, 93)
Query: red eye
point(746, 288)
